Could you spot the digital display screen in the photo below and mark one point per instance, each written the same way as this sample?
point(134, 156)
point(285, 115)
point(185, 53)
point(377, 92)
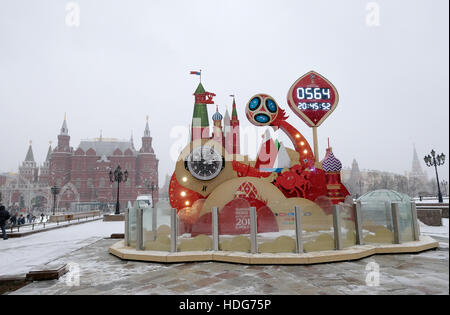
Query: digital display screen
point(314, 106)
point(313, 93)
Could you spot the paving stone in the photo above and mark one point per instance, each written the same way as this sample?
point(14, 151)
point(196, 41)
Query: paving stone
point(206, 282)
point(228, 275)
point(182, 289)
point(264, 275)
point(102, 273)
point(201, 272)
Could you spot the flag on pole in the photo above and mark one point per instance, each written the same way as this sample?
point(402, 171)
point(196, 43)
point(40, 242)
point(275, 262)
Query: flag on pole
point(231, 95)
point(196, 72)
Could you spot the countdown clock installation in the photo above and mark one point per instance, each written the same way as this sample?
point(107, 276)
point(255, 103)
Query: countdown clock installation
point(205, 163)
point(313, 98)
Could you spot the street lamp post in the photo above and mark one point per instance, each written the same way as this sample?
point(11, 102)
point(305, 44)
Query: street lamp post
point(55, 191)
point(151, 187)
point(119, 177)
point(436, 160)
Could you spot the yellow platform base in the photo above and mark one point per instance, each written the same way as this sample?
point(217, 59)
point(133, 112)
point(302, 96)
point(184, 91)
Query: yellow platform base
point(350, 253)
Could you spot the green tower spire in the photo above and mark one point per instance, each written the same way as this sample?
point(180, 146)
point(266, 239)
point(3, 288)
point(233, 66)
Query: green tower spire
point(200, 115)
point(234, 112)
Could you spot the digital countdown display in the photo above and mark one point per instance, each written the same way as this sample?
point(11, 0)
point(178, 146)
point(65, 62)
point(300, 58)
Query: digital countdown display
point(312, 98)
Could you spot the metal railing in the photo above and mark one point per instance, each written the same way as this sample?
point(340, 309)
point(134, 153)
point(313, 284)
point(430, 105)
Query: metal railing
point(16, 228)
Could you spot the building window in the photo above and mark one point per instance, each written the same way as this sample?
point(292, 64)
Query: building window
point(90, 183)
point(78, 183)
point(102, 182)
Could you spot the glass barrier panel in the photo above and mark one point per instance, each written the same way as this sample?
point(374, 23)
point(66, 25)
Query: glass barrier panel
point(377, 223)
point(406, 222)
point(194, 227)
point(276, 226)
point(348, 225)
point(132, 236)
point(317, 224)
point(162, 241)
point(234, 226)
point(153, 241)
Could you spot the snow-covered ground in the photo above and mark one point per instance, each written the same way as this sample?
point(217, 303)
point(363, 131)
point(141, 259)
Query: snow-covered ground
point(20, 255)
point(430, 200)
point(441, 231)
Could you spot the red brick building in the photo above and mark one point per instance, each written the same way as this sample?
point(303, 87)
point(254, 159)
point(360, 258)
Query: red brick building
point(83, 173)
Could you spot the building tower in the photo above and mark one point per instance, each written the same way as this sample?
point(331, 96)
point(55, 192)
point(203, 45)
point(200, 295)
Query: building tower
point(28, 170)
point(200, 118)
point(232, 132)
point(44, 171)
point(147, 165)
point(217, 127)
point(61, 158)
point(355, 184)
point(416, 170)
point(417, 178)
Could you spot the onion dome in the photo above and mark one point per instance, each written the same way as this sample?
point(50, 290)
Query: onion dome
point(330, 163)
point(217, 115)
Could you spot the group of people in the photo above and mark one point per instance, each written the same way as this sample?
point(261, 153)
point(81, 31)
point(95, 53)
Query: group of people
point(15, 220)
point(4, 216)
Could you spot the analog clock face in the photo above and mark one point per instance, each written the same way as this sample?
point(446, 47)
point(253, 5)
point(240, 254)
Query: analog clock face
point(204, 163)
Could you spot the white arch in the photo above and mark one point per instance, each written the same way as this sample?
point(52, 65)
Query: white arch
point(66, 187)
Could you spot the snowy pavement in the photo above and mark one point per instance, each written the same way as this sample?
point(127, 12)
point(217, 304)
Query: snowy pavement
point(439, 232)
point(85, 246)
point(20, 255)
point(434, 201)
point(99, 273)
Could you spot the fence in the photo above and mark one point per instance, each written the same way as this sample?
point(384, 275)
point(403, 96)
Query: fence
point(43, 225)
point(352, 224)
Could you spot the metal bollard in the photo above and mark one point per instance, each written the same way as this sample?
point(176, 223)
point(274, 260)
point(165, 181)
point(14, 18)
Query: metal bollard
point(126, 236)
point(389, 218)
point(298, 230)
point(173, 230)
point(396, 223)
point(215, 228)
point(357, 207)
point(253, 230)
point(415, 223)
point(139, 229)
point(337, 227)
point(154, 221)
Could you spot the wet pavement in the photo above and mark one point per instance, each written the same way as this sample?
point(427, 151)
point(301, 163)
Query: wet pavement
point(102, 273)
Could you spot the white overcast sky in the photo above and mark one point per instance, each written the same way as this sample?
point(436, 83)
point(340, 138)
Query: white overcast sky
point(129, 59)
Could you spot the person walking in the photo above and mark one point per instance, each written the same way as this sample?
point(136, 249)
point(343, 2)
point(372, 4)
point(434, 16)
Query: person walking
point(4, 216)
